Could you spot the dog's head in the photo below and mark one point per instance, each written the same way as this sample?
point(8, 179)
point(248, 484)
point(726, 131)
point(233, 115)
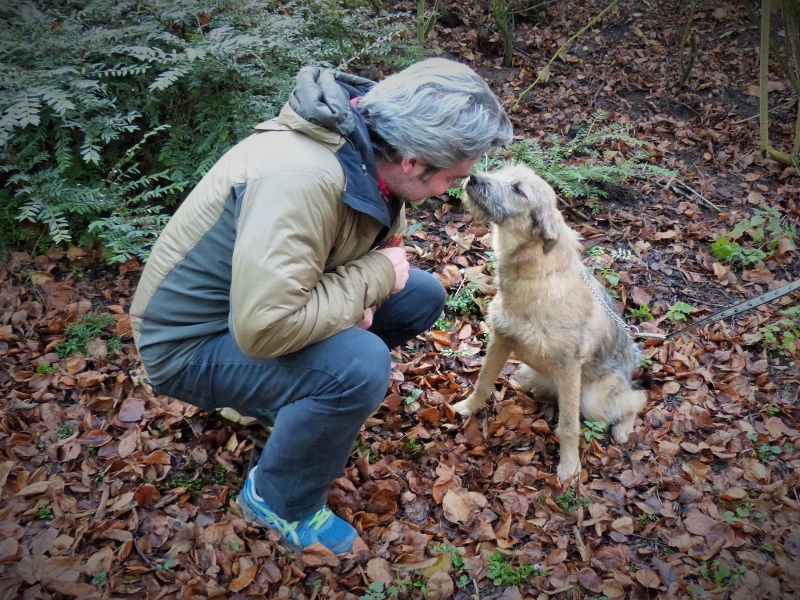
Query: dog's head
point(517, 200)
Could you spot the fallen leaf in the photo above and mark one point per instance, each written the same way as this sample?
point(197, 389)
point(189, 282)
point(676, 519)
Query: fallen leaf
point(132, 410)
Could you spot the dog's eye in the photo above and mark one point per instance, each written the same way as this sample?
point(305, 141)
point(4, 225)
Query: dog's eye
point(517, 189)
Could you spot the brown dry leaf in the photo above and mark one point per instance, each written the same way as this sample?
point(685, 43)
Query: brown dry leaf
point(317, 555)
point(648, 578)
point(671, 387)
point(623, 525)
point(440, 337)
point(439, 586)
point(245, 578)
point(90, 379)
point(776, 428)
point(147, 495)
point(34, 489)
point(697, 523)
point(128, 443)
point(734, 493)
point(589, 580)
point(460, 505)
point(132, 410)
point(125, 501)
point(641, 296)
point(99, 562)
point(157, 457)
point(445, 482)
point(379, 569)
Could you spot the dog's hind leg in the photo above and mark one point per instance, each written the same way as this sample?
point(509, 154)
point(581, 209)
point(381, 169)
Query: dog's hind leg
point(631, 402)
point(497, 354)
point(543, 388)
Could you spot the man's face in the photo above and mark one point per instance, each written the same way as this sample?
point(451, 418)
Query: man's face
point(414, 181)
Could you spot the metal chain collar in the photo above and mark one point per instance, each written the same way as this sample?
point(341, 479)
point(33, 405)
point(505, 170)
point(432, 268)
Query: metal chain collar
point(631, 330)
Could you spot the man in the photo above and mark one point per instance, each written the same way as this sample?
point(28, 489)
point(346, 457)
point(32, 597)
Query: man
point(271, 290)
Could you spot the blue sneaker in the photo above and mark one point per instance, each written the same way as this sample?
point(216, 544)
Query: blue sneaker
point(323, 526)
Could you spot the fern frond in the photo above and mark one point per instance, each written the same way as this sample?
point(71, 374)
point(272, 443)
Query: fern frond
point(167, 78)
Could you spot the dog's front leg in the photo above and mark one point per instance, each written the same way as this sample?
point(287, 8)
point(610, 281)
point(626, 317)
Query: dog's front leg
point(569, 423)
point(497, 354)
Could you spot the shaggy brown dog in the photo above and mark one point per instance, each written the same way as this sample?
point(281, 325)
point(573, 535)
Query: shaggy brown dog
point(546, 314)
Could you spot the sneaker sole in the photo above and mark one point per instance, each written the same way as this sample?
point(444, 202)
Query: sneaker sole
point(251, 517)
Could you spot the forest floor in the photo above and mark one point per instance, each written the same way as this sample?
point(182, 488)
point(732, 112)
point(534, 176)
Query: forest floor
point(111, 492)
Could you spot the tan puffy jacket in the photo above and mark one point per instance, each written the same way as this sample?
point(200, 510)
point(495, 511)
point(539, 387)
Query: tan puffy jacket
point(275, 241)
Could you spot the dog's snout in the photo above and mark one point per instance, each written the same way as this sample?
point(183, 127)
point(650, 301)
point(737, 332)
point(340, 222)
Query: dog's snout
point(475, 180)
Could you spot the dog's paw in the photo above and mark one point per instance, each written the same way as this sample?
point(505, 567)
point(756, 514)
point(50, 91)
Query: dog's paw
point(620, 434)
point(466, 407)
point(568, 469)
point(621, 431)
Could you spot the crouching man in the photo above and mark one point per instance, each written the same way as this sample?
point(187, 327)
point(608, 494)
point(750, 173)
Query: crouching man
point(272, 290)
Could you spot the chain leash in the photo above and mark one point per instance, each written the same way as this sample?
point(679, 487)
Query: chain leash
point(633, 331)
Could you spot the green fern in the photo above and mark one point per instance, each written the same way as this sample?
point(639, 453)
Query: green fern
point(577, 167)
point(110, 112)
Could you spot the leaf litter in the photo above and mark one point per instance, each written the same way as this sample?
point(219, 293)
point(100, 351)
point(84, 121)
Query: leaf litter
point(109, 491)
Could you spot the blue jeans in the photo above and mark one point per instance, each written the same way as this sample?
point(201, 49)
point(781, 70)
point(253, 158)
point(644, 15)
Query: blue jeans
point(319, 396)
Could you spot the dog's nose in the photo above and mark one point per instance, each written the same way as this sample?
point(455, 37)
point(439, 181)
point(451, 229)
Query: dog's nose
point(475, 180)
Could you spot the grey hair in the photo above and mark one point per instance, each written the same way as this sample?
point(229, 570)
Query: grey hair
point(438, 111)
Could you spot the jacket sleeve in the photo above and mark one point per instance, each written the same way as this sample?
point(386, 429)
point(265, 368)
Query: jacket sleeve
point(281, 298)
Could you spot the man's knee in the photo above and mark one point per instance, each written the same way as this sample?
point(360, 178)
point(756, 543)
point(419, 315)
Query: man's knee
point(432, 291)
point(368, 369)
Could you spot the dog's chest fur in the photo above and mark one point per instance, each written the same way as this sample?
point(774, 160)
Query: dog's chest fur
point(544, 309)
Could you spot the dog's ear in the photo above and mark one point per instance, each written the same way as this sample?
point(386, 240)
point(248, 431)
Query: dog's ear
point(545, 226)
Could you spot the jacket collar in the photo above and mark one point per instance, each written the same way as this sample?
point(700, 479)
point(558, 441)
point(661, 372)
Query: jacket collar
point(321, 99)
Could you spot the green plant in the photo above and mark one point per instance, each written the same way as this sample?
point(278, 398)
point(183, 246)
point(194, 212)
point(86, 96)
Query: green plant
point(43, 511)
point(501, 571)
point(111, 111)
point(594, 430)
point(45, 368)
point(456, 558)
point(719, 575)
point(413, 396)
point(442, 324)
point(641, 313)
point(607, 276)
point(679, 312)
point(81, 332)
point(765, 229)
point(218, 474)
point(413, 445)
point(570, 501)
point(767, 453)
point(598, 154)
point(452, 352)
point(377, 590)
point(784, 336)
point(745, 510)
point(645, 517)
point(168, 565)
point(100, 578)
point(426, 20)
point(645, 361)
point(463, 301)
point(65, 430)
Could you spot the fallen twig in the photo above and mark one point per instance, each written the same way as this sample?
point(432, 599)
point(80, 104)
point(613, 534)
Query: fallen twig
point(688, 188)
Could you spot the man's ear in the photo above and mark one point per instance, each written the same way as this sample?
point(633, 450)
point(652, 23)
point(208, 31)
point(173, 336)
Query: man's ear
point(407, 165)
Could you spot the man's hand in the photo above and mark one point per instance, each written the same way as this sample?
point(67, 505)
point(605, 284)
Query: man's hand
point(400, 264)
point(366, 320)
